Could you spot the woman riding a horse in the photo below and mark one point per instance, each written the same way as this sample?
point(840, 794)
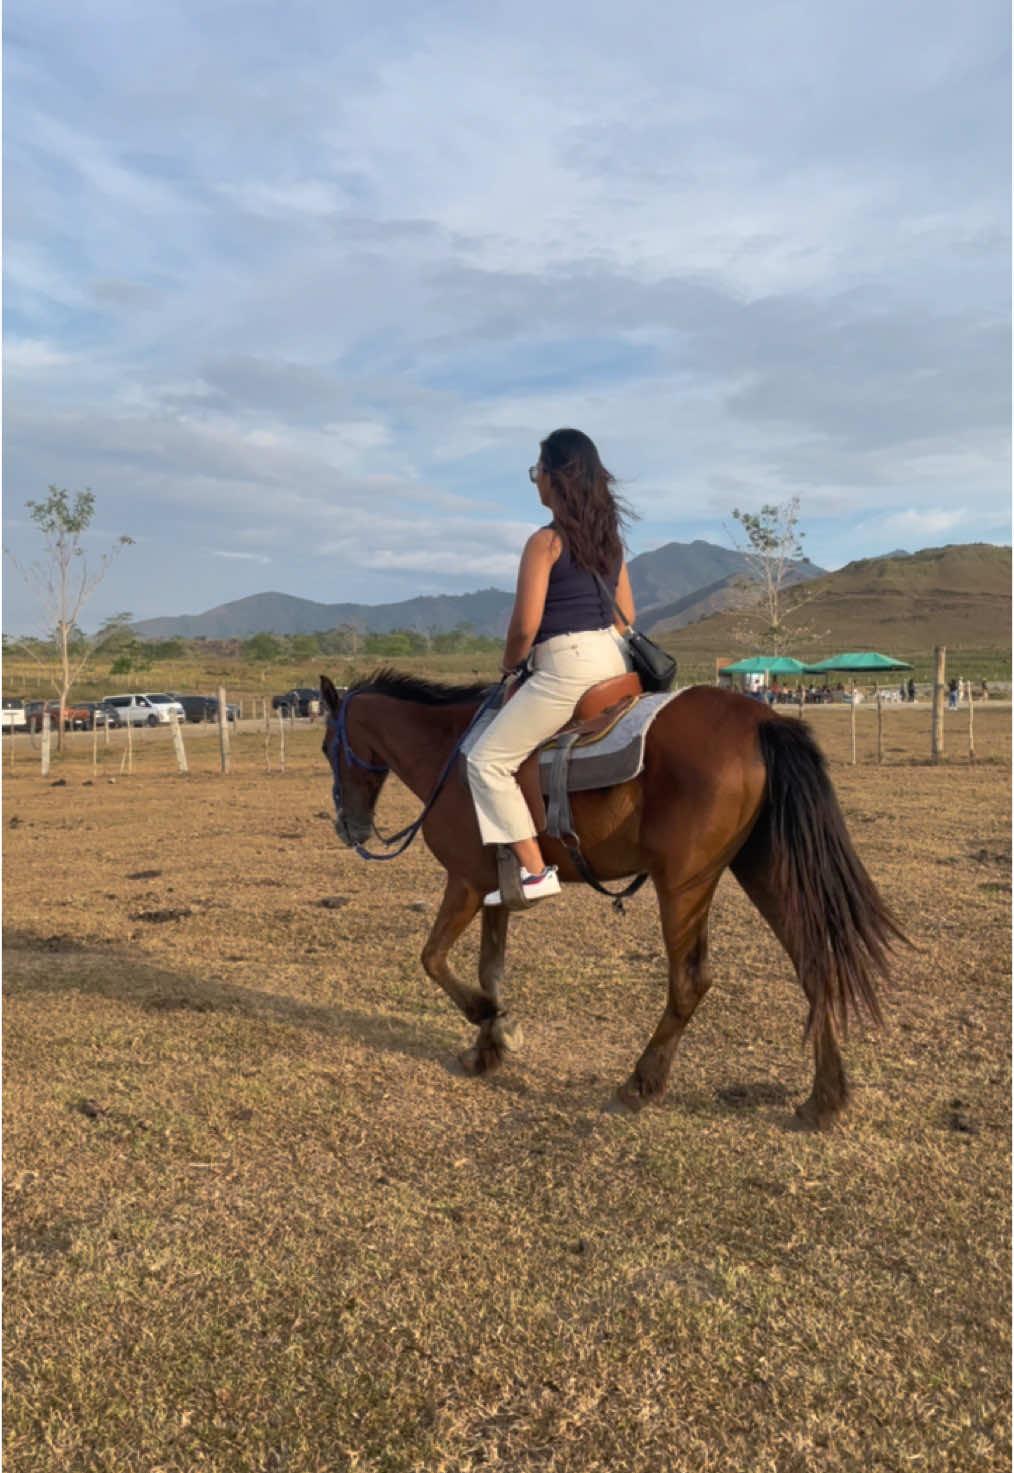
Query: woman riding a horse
point(725, 784)
point(562, 627)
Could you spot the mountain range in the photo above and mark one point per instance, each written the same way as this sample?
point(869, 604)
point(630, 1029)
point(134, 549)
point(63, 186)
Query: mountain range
point(691, 593)
point(677, 583)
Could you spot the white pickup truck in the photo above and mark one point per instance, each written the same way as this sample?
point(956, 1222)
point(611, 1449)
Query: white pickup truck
point(13, 717)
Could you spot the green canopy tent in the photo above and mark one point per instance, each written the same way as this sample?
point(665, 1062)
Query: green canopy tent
point(866, 662)
point(765, 665)
point(863, 662)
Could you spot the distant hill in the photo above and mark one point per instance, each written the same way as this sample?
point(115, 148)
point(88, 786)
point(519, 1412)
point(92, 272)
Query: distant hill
point(902, 604)
point(727, 593)
point(658, 578)
point(487, 611)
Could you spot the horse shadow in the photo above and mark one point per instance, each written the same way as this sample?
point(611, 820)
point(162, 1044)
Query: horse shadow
point(59, 965)
point(35, 963)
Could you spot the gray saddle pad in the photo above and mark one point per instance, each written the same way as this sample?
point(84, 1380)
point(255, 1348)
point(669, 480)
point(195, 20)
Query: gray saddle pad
point(617, 758)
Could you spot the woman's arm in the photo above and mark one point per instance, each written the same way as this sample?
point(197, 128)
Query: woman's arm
point(625, 599)
point(541, 551)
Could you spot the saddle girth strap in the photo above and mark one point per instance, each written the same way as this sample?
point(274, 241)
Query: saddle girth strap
point(560, 825)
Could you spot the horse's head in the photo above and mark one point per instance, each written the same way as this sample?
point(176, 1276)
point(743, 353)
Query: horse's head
point(358, 775)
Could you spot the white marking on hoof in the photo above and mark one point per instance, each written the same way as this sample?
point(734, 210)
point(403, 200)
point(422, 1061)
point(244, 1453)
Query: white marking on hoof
point(506, 1035)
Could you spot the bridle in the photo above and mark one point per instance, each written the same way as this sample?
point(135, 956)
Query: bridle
point(340, 740)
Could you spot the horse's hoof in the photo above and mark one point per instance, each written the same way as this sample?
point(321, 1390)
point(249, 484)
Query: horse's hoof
point(476, 1061)
point(506, 1035)
point(625, 1101)
point(807, 1119)
point(470, 1060)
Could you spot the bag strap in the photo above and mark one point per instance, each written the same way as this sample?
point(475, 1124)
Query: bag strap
point(612, 599)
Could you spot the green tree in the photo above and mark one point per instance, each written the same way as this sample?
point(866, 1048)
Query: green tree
point(62, 582)
point(261, 647)
point(303, 646)
point(116, 633)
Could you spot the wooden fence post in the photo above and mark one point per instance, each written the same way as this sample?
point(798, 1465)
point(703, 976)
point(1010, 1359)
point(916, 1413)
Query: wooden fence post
point(267, 736)
point(281, 742)
point(852, 723)
point(223, 730)
point(95, 746)
point(971, 725)
point(177, 730)
point(45, 743)
point(937, 743)
point(130, 746)
point(880, 727)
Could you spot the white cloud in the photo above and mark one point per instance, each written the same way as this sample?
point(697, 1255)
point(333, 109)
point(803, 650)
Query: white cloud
point(916, 525)
point(322, 298)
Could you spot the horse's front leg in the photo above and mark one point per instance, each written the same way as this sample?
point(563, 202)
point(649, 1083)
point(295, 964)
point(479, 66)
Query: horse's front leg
point(499, 1035)
point(457, 911)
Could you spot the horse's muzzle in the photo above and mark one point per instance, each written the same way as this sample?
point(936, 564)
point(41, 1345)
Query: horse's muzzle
point(351, 835)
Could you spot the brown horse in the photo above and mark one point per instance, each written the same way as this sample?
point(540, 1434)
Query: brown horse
point(726, 782)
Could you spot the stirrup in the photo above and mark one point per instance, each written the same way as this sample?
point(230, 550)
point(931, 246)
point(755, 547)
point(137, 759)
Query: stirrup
point(508, 875)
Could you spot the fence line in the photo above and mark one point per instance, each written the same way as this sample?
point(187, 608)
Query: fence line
point(866, 740)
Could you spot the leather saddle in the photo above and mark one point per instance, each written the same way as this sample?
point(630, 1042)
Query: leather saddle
point(595, 715)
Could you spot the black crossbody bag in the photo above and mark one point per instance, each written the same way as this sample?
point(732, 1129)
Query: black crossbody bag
point(656, 668)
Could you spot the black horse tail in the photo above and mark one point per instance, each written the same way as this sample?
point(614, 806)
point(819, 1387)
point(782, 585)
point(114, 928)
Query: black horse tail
point(838, 928)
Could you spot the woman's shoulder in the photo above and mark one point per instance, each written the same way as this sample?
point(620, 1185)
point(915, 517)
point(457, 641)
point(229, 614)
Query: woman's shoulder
point(546, 541)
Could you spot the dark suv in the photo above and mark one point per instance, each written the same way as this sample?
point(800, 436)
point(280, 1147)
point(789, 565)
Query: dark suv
point(205, 708)
point(302, 700)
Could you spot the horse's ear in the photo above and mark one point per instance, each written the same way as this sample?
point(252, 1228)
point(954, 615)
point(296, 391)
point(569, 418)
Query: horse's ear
point(331, 697)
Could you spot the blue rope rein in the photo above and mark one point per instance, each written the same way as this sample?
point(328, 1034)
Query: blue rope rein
point(407, 834)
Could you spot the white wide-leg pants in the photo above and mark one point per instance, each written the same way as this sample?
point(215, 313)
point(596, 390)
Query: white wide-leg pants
point(565, 667)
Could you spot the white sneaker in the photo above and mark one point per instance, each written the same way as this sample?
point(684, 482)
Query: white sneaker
point(534, 887)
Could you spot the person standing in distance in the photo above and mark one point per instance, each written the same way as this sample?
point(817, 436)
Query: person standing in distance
point(564, 630)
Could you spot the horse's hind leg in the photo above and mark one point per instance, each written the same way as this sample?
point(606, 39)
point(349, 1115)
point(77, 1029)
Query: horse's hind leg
point(830, 1092)
point(457, 911)
point(685, 929)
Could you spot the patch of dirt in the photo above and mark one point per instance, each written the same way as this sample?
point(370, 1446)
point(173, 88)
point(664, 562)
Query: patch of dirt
point(254, 1218)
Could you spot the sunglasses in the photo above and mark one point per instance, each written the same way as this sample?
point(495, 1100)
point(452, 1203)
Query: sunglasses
point(533, 472)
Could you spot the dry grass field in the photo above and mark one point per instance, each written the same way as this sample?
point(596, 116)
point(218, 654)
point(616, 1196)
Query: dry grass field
point(256, 1219)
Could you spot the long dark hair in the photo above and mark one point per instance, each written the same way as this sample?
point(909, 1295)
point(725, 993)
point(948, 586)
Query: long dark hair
point(587, 512)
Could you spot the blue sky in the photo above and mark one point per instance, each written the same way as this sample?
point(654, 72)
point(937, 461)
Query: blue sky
point(296, 291)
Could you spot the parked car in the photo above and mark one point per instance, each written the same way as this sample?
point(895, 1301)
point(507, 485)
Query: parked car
point(77, 715)
point(95, 714)
point(145, 709)
point(205, 708)
point(302, 700)
point(33, 714)
point(35, 710)
point(14, 718)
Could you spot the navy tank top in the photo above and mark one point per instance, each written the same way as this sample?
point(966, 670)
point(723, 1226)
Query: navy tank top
point(574, 601)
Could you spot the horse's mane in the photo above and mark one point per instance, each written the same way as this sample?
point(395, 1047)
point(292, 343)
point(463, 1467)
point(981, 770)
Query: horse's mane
point(388, 682)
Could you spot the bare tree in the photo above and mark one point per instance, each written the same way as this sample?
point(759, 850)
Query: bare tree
point(773, 547)
point(62, 582)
